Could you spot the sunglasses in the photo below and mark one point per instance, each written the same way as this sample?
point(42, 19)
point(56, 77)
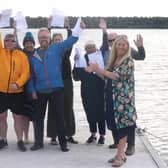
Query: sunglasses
point(111, 40)
point(13, 41)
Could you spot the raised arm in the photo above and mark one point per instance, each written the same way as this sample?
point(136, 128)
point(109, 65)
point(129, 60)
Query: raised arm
point(104, 47)
point(69, 33)
point(49, 23)
point(15, 34)
point(67, 44)
point(140, 54)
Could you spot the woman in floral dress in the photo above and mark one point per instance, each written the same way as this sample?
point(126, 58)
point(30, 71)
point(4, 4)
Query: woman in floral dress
point(120, 72)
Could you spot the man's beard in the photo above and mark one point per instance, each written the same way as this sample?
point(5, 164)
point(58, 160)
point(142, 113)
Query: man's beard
point(44, 44)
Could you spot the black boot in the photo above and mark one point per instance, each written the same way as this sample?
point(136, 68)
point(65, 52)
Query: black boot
point(64, 147)
point(130, 150)
point(3, 143)
point(21, 146)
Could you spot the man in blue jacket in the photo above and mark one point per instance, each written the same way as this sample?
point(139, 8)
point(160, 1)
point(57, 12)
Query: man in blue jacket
point(46, 84)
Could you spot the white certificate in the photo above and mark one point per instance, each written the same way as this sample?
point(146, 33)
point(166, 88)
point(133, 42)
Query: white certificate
point(20, 20)
point(77, 29)
point(96, 57)
point(57, 18)
point(80, 62)
point(5, 18)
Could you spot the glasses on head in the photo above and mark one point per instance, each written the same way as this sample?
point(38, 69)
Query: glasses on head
point(13, 41)
point(111, 40)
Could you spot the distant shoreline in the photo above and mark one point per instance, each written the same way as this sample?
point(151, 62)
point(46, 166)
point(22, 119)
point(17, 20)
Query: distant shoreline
point(112, 22)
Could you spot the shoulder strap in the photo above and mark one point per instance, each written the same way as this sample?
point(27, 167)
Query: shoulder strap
point(87, 59)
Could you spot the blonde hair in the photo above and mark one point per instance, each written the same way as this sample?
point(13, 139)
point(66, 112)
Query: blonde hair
point(57, 34)
point(113, 55)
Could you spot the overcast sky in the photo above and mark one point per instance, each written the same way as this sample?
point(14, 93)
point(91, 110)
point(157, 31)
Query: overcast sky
point(123, 8)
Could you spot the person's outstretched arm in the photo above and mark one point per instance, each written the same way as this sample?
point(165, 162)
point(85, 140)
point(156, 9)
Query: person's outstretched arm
point(140, 54)
point(104, 47)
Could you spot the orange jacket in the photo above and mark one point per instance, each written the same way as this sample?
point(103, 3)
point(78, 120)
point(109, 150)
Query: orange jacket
point(14, 68)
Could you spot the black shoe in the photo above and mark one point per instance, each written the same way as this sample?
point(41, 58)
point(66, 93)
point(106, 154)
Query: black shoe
point(113, 146)
point(64, 148)
point(130, 150)
point(101, 140)
point(36, 147)
point(71, 140)
point(21, 146)
point(91, 139)
point(3, 143)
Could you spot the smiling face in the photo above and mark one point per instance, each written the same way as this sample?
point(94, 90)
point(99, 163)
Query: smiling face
point(29, 46)
point(57, 38)
point(44, 38)
point(120, 51)
point(10, 41)
point(121, 47)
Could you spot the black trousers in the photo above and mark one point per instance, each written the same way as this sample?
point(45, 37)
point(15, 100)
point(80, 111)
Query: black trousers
point(100, 124)
point(55, 100)
point(69, 117)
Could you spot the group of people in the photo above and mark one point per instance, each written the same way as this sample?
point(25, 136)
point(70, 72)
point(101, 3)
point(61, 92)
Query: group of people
point(108, 94)
point(37, 75)
point(36, 78)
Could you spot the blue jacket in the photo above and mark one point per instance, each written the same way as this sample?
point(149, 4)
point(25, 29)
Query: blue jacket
point(46, 73)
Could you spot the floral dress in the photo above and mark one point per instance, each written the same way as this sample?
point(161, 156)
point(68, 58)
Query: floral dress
point(123, 94)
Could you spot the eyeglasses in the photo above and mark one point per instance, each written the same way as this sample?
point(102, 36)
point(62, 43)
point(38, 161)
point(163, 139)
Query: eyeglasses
point(13, 41)
point(43, 37)
point(111, 40)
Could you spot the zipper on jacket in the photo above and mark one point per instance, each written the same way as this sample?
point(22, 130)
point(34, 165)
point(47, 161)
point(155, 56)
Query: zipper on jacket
point(10, 73)
point(13, 66)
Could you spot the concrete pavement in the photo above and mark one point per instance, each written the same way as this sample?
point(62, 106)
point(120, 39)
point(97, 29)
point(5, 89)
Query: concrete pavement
point(80, 155)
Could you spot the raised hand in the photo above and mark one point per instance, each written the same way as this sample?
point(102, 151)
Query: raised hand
point(103, 24)
point(13, 86)
point(66, 22)
point(14, 27)
point(49, 21)
point(76, 57)
point(93, 67)
point(82, 24)
point(139, 40)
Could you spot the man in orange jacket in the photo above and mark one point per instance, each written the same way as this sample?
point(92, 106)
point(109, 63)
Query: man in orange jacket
point(14, 73)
